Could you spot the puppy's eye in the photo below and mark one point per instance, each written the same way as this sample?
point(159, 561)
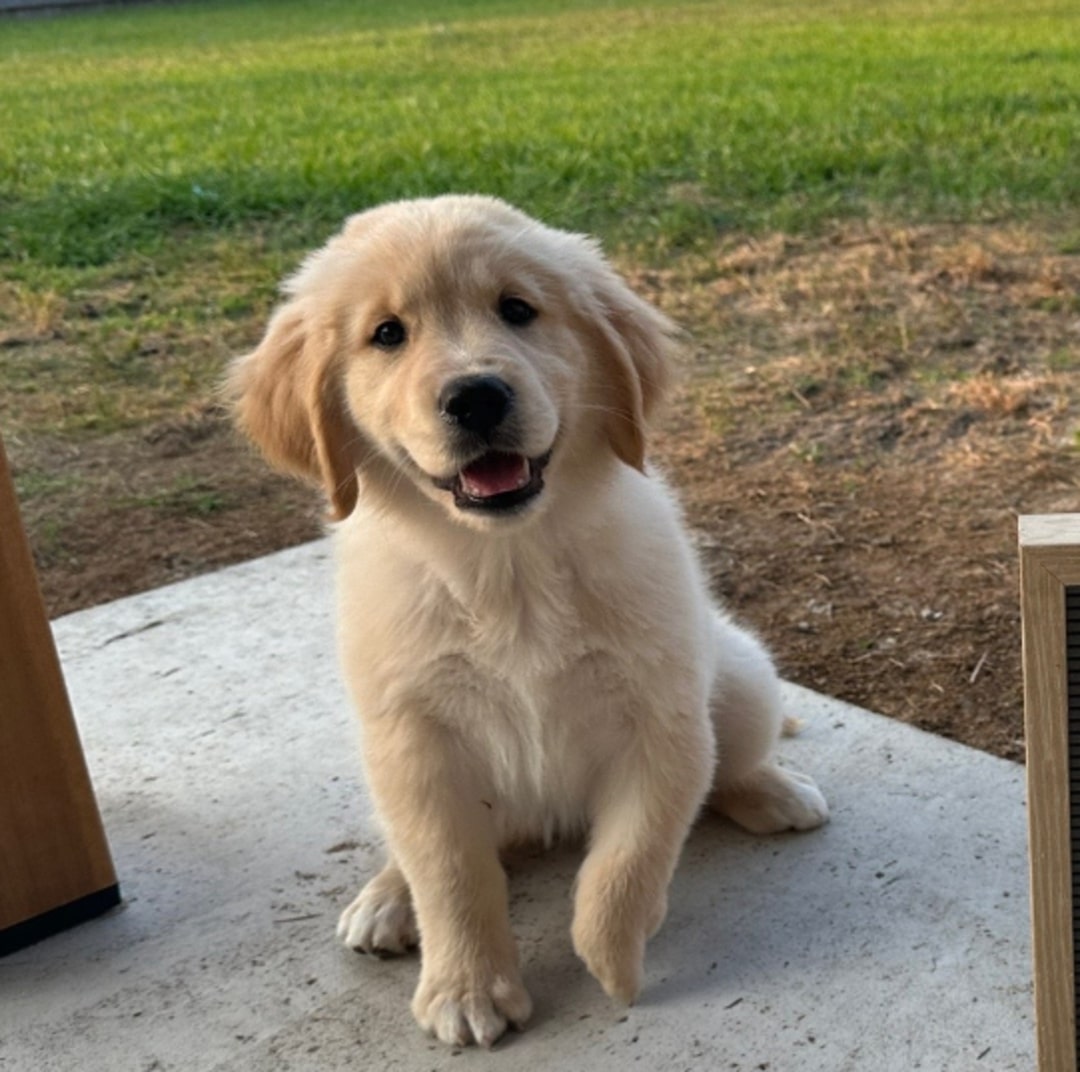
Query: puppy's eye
point(516, 311)
point(389, 335)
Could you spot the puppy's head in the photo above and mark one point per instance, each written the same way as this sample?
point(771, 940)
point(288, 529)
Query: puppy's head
point(456, 348)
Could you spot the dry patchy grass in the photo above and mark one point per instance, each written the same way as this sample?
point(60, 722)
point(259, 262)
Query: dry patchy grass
point(864, 417)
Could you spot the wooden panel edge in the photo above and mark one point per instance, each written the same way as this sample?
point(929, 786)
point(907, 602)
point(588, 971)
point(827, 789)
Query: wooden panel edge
point(1046, 730)
point(52, 837)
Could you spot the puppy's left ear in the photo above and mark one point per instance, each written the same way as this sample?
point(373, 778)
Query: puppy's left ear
point(637, 345)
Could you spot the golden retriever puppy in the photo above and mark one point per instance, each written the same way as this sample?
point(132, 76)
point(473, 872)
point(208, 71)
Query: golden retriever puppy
point(524, 627)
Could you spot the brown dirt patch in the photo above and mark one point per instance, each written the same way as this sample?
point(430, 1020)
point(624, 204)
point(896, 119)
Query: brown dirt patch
point(130, 511)
point(863, 417)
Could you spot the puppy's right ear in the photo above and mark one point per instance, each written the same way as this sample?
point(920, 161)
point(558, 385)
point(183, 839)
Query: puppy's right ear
point(287, 397)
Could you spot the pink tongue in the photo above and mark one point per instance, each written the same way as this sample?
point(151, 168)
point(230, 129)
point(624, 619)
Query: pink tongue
point(495, 474)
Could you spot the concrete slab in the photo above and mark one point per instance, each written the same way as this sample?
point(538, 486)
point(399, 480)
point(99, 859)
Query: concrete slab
point(223, 751)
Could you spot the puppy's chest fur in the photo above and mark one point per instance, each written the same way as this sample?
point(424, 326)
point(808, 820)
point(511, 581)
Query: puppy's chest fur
point(523, 613)
point(523, 657)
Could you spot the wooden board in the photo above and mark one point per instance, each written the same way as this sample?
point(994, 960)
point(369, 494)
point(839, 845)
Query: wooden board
point(55, 867)
point(1049, 581)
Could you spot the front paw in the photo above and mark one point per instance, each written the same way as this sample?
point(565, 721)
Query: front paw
point(471, 1004)
point(615, 957)
point(616, 910)
point(610, 938)
point(381, 919)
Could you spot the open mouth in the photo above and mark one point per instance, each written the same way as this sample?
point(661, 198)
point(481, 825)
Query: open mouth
point(496, 482)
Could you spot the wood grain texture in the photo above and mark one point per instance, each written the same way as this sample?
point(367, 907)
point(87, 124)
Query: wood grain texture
point(1050, 563)
point(53, 849)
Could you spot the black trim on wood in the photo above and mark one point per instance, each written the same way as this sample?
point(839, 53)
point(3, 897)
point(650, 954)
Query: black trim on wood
point(20, 935)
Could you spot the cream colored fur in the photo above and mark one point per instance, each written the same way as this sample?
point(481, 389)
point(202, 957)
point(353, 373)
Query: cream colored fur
point(558, 671)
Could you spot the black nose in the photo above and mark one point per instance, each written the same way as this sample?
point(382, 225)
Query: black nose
point(477, 404)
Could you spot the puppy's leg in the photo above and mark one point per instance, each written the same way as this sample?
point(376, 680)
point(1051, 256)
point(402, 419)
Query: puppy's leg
point(381, 919)
point(433, 801)
point(749, 787)
point(641, 818)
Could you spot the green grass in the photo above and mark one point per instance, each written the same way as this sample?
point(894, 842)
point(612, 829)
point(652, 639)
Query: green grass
point(161, 167)
point(185, 496)
point(136, 131)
